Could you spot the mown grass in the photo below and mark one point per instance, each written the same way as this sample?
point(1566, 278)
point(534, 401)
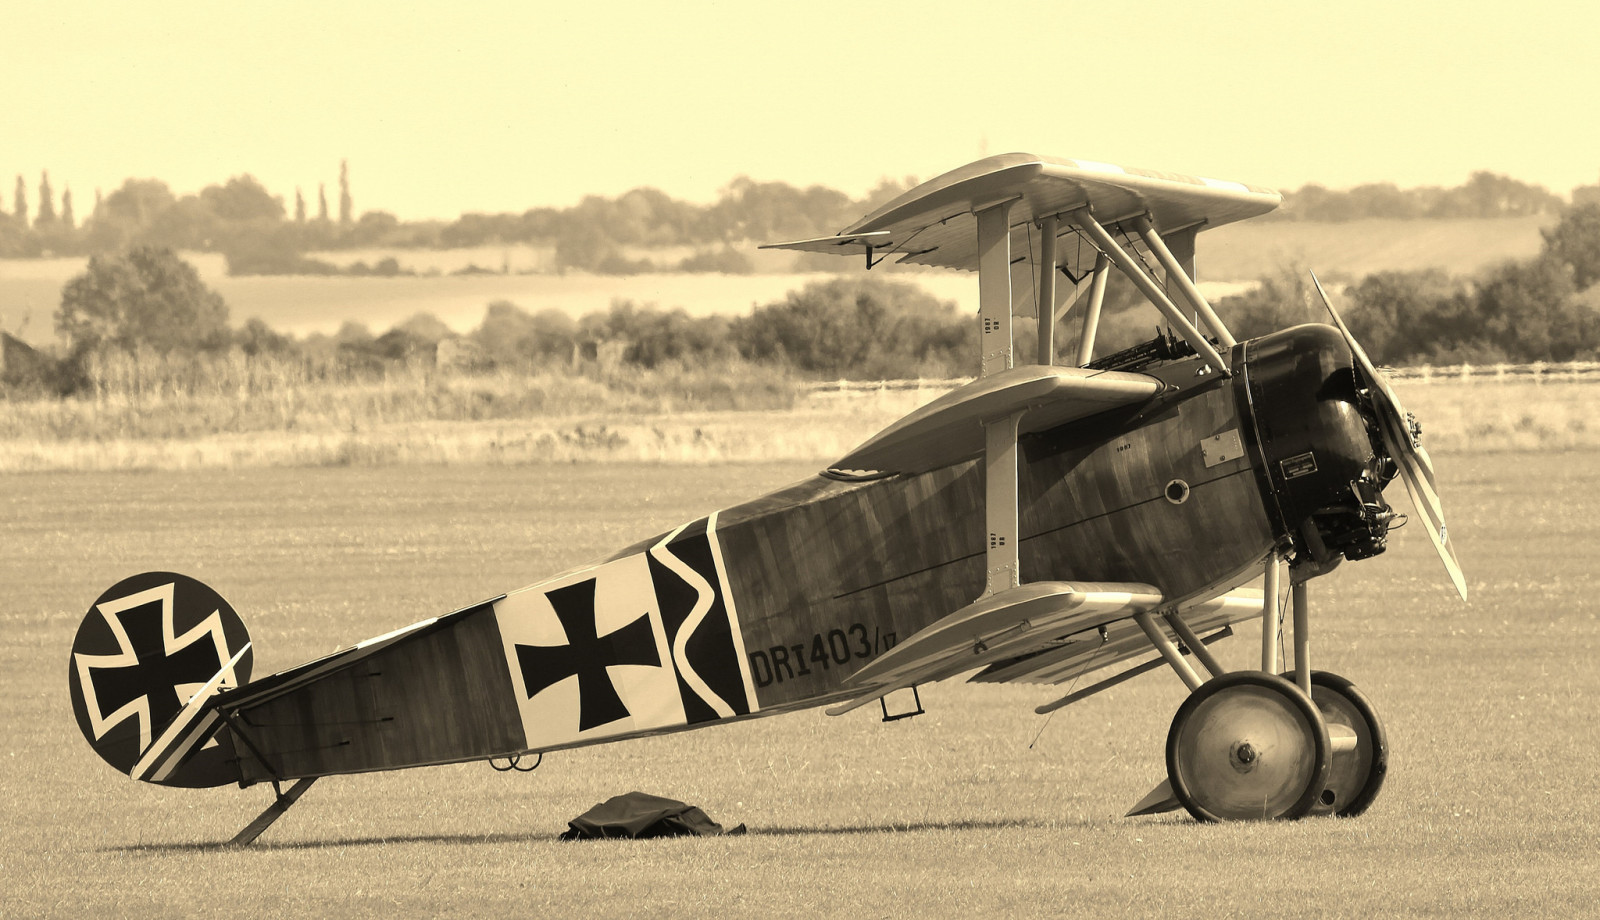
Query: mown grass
point(977, 808)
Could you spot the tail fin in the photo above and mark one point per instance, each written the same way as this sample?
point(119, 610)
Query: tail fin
point(149, 655)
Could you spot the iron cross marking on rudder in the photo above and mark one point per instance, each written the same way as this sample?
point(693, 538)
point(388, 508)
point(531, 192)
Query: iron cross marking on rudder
point(151, 675)
point(587, 655)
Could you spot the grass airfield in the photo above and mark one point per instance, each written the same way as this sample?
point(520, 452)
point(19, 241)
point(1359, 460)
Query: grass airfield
point(978, 807)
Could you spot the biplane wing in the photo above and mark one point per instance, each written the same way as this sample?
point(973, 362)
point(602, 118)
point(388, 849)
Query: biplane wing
point(950, 429)
point(935, 223)
point(1040, 632)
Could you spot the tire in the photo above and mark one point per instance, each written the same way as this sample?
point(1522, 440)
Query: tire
point(1356, 777)
point(1248, 746)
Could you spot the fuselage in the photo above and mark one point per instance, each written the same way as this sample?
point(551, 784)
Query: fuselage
point(768, 606)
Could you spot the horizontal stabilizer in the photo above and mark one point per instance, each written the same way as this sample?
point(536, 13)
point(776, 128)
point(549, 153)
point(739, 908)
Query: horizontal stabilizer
point(998, 626)
point(950, 429)
point(267, 688)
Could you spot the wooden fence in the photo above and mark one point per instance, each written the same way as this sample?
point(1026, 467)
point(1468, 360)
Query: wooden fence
point(1537, 372)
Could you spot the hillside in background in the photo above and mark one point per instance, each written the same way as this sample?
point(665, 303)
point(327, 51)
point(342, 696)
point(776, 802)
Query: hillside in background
point(1352, 249)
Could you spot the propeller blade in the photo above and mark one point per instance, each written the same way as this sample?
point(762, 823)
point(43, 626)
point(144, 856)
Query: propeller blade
point(1416, 467)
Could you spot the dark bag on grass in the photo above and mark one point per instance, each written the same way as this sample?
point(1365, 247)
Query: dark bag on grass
point(643, 816)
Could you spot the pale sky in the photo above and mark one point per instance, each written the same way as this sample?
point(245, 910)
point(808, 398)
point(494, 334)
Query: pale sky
point(447, 107)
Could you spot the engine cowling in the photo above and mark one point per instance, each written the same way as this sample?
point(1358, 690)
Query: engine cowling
point(1320, 458)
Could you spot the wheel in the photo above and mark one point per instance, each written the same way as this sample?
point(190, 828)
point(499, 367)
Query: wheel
point(1356, 776)
point(1247, 746)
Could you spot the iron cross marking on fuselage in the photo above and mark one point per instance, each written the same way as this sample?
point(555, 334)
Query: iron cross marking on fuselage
point(587, 655)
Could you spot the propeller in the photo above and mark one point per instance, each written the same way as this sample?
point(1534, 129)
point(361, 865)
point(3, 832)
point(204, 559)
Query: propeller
point(1400, 434)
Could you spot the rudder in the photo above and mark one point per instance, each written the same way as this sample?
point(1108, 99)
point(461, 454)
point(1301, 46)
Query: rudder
point(146, 646)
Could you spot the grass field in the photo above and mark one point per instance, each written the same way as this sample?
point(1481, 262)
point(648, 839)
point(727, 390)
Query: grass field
point(978, 808)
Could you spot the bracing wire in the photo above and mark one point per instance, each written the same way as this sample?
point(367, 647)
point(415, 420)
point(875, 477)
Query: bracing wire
point(1105, 637)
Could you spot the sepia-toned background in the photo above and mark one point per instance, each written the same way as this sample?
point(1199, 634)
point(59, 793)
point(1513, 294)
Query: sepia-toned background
point(493, 306)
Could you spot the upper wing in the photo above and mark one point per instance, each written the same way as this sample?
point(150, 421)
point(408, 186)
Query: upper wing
point(934, 223)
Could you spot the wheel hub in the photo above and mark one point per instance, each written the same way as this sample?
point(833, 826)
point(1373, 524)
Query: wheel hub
point(1243, 757)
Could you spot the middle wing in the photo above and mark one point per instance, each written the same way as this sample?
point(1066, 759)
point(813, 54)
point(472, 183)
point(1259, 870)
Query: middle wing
point(951, 428)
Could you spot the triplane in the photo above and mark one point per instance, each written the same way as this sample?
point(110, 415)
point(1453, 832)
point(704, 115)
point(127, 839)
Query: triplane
point(1051, 518)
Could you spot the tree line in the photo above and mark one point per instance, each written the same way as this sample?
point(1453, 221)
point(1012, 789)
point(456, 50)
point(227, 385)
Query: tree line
point(1484, 194)
point(260, 234)
point(147, 301)
point(1546, 308)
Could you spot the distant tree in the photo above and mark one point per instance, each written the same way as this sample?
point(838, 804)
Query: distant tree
point(1398, 315)
point(1575, 241)
point(586, 247)
point(651, 337)
point(67, 218)
point(858, 327)
point(1280, 300)
point(322, 203)
point(242, 199)
point(47, 205)
point(272, 251)
point(352, 333)
point(512, 337)
point(125, 214)
point(146, 297)
point(1488, 194)
point(346, 204)
point(138, 201)
point(190, 223)
point(299, 206)
point(373, 228)
point(1528, 310)
point(1484, 195)
point(19, 203)
point(255, 337)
